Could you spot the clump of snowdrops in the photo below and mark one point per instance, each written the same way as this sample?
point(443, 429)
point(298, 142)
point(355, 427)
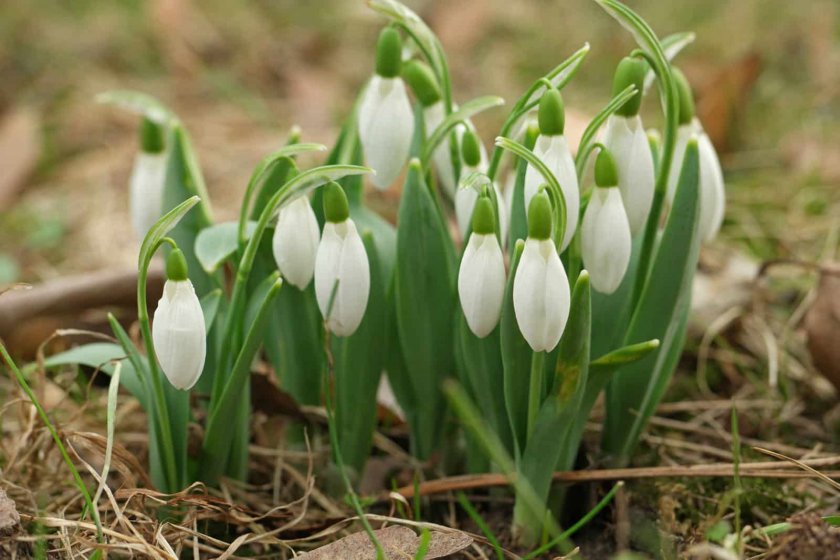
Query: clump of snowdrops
point(566, 273)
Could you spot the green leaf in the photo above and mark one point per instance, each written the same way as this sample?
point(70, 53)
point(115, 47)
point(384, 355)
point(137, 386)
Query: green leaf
point(359, 360)
point(210, 308)
point(672, 45)
point(137, 102)
point(549, 440)
point(425, 301)
point(634, 391)
point(516, 359)
point(626, 354)
point(217, 243)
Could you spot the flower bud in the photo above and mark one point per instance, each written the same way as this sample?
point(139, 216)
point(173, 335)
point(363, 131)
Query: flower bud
point(481, 278)
point(147, 179)
point(178, 330)
point(295, 242)
point(422, 82)
point(686, 97)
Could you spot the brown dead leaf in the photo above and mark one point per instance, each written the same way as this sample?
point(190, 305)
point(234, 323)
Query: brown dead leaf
point(9, 518)
point(20, 147)
point(822, 324)
point(398, 542)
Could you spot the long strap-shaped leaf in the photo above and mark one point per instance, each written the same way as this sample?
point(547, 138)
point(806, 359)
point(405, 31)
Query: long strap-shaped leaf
point(634, 389)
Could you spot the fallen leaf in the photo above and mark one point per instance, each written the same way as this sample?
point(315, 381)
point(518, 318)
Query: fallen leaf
point(398, 542)
point(20, 147)
point(822, 325)
point(9, 517)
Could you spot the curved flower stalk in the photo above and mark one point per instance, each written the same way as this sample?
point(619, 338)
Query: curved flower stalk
point(626, 140)
point(712, 191)
point(553, 149)
point(342, 272)
point(481, 278)
point(295, 242)
point(605, 232)
point(178, 330)
point(386, 123)
point(541, 295)
point(147, 178)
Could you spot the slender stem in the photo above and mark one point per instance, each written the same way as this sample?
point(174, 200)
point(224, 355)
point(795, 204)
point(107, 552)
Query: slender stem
point(535, 389)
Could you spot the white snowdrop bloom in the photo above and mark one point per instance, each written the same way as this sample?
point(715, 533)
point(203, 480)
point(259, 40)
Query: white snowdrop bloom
point(295, 242)
point(626, 139)
point(541, 294)
point(341, 259)
point(481, 278)
point(178, 330)
point(475, 159)
point(147, 180)
point(605, 232)
point(433, 116)
point(386, 122)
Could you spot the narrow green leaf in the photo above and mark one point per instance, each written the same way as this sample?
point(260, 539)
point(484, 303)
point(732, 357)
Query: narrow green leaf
point(672, 45)
point(516, 359)
point(137, 102)
point(626, 354)
point(210, 308)
point(217, 243)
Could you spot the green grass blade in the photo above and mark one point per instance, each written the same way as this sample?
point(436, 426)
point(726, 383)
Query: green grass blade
point(516, 360)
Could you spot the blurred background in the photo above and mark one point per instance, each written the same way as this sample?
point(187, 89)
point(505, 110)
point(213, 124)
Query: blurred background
point(239, 74)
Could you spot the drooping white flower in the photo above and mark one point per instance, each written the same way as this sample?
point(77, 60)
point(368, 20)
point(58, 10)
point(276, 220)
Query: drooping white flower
point(342, 272)
point(147, 180)
point(541, 294)
point(386, 123)
point(178, 330)
point(295, 242)
point(475, 159)
point(712, 190)
point(553, 149)
point(433, 116)
point(481, 278)
point(626, 139)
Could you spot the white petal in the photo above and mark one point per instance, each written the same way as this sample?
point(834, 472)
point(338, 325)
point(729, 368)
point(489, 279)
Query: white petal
point(341, 257)
point(386, 125)
point(605, 240)
point(684, 133)
point(442, 158)
point(625, 137)
point(481, 283)
point(146, 191)
point(554, 152)
point(541, 295)
point(712, 193)
point(464, 206)
point(295, 242)
point(178, 334)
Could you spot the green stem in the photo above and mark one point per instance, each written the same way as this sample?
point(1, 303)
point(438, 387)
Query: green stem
point(535, 389)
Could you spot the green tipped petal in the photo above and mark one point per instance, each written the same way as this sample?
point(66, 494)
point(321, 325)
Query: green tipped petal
point(471, 148)
point(151, 136)
point(422, 82)
point(606, 172)
point(686, 97)
point(176, 266)
point(630, 71)
point(336, 209)
point(483, 218)
point(552, 113)
point(539, 216)
point(389, 53)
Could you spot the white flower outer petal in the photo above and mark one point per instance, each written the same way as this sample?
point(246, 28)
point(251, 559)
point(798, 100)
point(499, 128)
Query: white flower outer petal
point(295, 242)
point(626, 139)
point(386, 125)
point(481, 283)
point(146, 191)
point(541, 295)
point(605, 240)
point(555, 153)
point(178, 334)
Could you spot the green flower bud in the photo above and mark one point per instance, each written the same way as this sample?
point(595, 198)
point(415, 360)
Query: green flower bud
point(422, 82)
point(336, 209)
point(552, 113)
point(483, 218)
point(176, 266)
point(151, 136)
point(389, 53)
point(686, 97)
point(630, 71)
point(606, 172)
point(539, 216)
point(471, 148)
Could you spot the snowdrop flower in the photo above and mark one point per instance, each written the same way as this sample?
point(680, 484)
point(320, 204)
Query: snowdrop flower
point(147, 179)
point(605, 232)
point(178, 328)
point(386, 122)
point(474, 159)
point(541, 295)
point(481, 278)
point(553, 149)
point(712, 193)
point(295, 242)
point(625, 138)
point(342, 273)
